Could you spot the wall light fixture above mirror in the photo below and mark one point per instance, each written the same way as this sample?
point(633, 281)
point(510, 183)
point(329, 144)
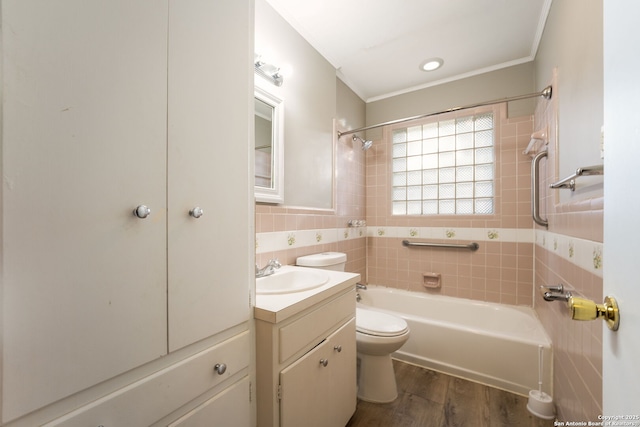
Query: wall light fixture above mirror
point(268, 71)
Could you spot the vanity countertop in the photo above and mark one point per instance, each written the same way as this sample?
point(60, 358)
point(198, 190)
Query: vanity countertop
point(279, 307)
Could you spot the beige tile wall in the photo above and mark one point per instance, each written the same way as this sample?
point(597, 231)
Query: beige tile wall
point(499, 271)
point(577, 345)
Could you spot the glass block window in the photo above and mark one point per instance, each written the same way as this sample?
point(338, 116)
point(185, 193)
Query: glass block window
point(444, 167)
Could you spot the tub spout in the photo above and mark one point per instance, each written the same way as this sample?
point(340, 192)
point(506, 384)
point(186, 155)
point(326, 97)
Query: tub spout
point(361, 286)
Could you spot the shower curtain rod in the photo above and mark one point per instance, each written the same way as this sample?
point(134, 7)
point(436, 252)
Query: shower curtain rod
point(545, 93)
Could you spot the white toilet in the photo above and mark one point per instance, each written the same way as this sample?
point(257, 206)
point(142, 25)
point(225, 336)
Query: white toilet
point(378, 335)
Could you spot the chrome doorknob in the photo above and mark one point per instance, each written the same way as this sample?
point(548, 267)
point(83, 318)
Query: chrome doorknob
point(196, 212)
point(220, 368)
point(142, 211)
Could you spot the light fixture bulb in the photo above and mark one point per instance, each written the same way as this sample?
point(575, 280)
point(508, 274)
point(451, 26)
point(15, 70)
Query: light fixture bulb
point(431, 64)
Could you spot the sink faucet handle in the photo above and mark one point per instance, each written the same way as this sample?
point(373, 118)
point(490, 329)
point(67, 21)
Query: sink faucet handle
point(275, 263)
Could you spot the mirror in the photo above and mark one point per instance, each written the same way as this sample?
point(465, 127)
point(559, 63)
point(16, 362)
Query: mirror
point(269, 147)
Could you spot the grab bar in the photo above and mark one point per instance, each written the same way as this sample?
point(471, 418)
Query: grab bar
point(471, 246)
point(535, 189)
point(570, 181)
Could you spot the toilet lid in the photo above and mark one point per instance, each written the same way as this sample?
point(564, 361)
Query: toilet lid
point(381, 324)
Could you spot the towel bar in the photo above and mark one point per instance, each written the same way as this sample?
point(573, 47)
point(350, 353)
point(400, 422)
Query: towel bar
point(471, 246)
point(570, 181)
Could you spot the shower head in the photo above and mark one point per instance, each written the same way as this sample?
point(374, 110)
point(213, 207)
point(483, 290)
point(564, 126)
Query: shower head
point(365, 144)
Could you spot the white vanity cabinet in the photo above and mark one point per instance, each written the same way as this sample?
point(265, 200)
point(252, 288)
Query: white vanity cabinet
point(306, 362)
point(111, 106)
point(319, 389)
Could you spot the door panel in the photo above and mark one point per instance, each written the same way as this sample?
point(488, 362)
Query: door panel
point(84, 143)
point(208, 132)
point(621, 349)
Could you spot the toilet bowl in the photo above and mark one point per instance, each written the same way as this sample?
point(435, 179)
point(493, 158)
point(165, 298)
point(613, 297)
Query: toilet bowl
point(378, 335)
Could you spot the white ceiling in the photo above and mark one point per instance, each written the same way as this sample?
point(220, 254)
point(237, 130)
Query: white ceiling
point(377, 46)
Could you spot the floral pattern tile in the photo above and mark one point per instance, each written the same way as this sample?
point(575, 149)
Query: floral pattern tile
point(597, 258)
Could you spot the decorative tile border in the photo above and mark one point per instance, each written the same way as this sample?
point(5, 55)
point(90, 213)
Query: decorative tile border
point(586, 254)
point(282, 240)
point(519, 235)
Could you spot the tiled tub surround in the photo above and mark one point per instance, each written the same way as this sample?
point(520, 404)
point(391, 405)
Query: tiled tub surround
point(502, 269)
point(499, 271)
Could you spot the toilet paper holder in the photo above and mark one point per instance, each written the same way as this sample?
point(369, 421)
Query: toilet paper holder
point(583, 308)
point(586, 309)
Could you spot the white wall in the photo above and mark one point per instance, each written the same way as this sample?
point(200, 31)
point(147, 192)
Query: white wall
point(503, 83)
point(572, 43)
point(309, 94)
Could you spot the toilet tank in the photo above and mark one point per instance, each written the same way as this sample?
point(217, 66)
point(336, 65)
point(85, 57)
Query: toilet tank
point(325, 260)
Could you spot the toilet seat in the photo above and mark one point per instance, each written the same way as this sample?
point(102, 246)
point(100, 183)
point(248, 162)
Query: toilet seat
point(379, 324)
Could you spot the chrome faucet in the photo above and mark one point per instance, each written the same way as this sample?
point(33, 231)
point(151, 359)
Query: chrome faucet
point(359, 286)
point(268, 269)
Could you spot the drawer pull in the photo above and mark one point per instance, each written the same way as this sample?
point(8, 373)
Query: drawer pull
point(220, 368)
point(337, 348)
point(324, 362)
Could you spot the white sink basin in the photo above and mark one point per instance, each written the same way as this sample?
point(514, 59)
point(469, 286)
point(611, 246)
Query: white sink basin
point(288, 280)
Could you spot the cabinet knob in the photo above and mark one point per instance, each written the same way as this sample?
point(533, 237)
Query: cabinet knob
point(142, 211)
point(220, 368)
point(337, 348)
point(324, 362)
point(196, 212)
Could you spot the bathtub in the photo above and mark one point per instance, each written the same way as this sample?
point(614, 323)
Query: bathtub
point(493, 344)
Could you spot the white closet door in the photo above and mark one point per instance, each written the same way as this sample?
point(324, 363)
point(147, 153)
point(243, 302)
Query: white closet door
point(210, 94)
point(84, 143)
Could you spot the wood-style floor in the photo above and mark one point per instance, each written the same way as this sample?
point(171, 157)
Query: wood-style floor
point(427, 398)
